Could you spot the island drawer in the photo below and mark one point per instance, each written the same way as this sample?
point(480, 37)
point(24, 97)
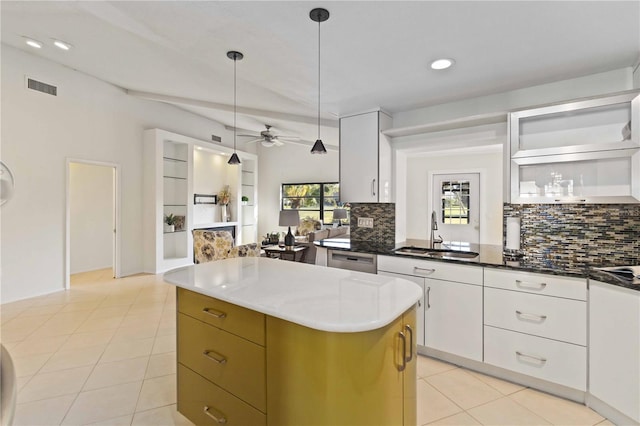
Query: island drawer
point(447, 271)
point(549, 285)
point(557, 362)
point(235, 364)
point(544, 316)
point(202, 402)
point(232, 318)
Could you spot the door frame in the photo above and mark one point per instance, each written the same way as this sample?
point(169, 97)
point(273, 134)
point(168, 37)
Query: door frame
point(116, 216)
point(481, 186)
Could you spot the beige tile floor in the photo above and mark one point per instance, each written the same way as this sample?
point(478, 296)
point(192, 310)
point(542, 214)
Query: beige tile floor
point(104, 353)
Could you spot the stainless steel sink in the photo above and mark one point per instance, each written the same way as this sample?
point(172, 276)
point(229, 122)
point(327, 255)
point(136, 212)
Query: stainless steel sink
point(438, 253)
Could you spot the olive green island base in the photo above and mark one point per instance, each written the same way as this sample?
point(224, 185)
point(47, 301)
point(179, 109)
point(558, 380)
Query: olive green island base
point(241, 367)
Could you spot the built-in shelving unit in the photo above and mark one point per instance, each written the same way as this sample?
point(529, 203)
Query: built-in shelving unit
point(249, 209)
point(177, 167)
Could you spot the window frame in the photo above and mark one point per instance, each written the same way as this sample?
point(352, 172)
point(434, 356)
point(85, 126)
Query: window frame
point(322, 197)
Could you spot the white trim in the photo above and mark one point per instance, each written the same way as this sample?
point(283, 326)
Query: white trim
point(116, 216)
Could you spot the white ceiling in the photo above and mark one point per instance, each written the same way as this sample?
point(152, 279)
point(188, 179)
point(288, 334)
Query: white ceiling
point(374, 54)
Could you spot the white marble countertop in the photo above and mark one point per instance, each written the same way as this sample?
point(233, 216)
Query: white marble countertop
point(318, 297)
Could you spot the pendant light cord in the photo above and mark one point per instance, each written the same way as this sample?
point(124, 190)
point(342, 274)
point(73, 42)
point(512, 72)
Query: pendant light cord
point(235, 88)
point(318, 79)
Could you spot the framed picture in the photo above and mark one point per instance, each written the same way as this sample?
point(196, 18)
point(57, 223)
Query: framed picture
point(205, 199)
point(179, 223)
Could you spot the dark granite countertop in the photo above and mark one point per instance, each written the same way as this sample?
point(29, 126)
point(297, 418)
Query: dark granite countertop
point(489, 256)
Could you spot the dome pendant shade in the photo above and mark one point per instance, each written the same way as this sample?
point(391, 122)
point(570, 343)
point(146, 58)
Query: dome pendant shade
point(318, 148)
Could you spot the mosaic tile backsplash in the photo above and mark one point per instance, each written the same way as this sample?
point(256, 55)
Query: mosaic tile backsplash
point(384, 222)
point(578, 235)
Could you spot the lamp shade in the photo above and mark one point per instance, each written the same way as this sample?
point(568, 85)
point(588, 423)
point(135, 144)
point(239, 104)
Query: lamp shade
point(339, 214)
point(289, 218)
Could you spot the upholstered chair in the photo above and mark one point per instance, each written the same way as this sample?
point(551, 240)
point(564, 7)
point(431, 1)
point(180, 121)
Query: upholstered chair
point(216, 245)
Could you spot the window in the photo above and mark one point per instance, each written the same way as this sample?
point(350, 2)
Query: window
point(314, 200)
point(455, 202)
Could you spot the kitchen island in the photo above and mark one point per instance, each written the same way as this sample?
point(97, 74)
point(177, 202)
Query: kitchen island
point(261, 341)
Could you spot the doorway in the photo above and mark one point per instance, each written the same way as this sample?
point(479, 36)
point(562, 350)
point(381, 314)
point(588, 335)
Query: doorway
point(92, 220)
point(456, 202)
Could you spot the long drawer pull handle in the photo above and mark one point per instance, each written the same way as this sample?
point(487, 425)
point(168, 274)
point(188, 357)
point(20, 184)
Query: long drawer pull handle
point(428, 298)
point(409, 330)
point(537, 358)
point(220, 420)
point(402, 366)
point(424, 270)
point(534, 316)
point(214, 313)
point(533, 286)
point(219, 358)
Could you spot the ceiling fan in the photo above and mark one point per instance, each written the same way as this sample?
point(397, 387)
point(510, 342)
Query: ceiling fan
point(269, 139)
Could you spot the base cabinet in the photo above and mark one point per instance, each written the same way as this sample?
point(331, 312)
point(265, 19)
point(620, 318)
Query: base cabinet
point(614, 348)
point(453, 318)
point(297, 375)
point(452, 303)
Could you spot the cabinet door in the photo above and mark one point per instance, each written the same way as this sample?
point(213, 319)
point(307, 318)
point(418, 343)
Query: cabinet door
point(614, 347)
point(453, 318)
point(419, 334)
point(359, 155)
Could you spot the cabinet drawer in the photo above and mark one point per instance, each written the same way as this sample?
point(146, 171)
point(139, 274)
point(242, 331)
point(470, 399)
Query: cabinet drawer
point(544, 316)
point(232, 318)
point(558, 362)
point(235, 364)
point(195, 393)
point(550, 285)
point(430, 269)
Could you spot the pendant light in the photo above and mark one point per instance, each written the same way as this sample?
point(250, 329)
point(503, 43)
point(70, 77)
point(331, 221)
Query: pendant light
point(319, 15)
point(236, 56)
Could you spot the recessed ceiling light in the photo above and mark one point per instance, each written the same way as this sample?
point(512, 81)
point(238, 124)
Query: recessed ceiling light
point(442, 64)
point(62, 45)
point(33, 43)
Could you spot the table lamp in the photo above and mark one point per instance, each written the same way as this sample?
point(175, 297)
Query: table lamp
point(289, 218)
point(339, 214)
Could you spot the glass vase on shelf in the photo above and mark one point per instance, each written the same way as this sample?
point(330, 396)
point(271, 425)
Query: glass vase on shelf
point(225, 215)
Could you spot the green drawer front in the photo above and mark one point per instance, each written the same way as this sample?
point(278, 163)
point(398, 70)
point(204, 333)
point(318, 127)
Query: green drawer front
point(235, 364)
point(195, 393)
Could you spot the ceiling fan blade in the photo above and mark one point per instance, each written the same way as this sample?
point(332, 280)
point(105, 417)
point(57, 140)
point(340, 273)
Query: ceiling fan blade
point(255, 140)
point(250, 136)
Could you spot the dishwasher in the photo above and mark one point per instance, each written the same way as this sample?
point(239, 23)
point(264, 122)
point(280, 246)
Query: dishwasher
point(361, 262)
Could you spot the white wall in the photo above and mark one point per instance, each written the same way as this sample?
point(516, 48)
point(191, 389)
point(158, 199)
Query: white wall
point(419, 192)
point(89, 119)
point(288, 164)
point(91, 217)
point(211, 174)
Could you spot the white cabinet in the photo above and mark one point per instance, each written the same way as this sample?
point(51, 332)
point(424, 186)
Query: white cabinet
point(420, 307)
point(614, 348)
point(452, 303)
point(365, 158)
point(536, 324)
point(583, 151)
point(453, 318)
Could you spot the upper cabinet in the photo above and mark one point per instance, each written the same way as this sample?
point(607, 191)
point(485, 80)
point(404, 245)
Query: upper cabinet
point(365, 158)
point(584, 151)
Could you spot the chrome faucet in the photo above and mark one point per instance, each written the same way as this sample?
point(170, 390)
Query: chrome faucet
point(434, 227)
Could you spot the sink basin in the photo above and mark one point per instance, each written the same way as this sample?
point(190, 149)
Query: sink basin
point(429, 252)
